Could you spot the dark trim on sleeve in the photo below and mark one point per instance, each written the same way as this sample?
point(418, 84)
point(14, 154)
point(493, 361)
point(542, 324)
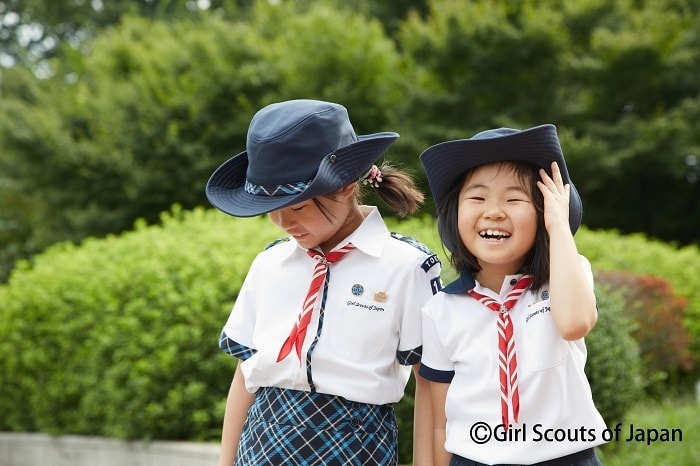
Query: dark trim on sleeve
point(435, 375)
point(409, 357)
point(234, 348)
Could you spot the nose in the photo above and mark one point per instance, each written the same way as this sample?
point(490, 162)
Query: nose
point(493, 210)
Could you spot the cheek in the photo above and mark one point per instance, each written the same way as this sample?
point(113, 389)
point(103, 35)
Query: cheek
point(465, 217)
point(465, 226)
point(528, 222)
point(274, 218)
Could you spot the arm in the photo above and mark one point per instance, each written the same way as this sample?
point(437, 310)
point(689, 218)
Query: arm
point(571, 295)
point(237, 404)
point(422, 422)
point(438, 393)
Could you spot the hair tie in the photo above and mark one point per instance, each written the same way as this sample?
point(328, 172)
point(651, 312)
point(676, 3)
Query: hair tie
point(373, 177)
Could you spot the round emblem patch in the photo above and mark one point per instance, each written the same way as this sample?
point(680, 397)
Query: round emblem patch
point(357, 289)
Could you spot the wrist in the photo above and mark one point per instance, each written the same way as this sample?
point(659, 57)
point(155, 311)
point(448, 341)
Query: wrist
point(559, 229)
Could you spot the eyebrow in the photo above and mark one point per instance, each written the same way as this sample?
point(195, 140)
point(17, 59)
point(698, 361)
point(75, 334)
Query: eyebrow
point(483, 186)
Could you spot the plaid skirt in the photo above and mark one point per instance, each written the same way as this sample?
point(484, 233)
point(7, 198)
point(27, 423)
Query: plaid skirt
point(298, 428)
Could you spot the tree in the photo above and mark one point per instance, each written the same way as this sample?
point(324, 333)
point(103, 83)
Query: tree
point(34, 30)
point(119, 122)
point(617, 78)
point(141, 121)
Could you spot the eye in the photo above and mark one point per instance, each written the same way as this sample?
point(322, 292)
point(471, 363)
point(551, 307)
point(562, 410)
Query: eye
point(297, 209)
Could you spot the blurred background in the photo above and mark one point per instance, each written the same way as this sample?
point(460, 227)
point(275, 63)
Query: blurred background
point(116, 276)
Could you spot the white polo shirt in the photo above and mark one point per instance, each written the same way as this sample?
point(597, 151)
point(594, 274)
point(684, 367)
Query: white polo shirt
point(371, 330)
point(557, 414)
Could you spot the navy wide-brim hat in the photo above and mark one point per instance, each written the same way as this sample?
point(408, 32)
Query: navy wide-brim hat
point(445, 163)
point(295, 151)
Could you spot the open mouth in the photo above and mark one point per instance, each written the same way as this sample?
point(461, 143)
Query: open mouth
point(494, 234)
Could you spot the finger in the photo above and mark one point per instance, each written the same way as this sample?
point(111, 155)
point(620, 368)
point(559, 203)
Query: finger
point(546, 179)
point(547, 190)
point(556, 174)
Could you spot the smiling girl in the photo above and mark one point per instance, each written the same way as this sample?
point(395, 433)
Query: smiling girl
point(503, 344)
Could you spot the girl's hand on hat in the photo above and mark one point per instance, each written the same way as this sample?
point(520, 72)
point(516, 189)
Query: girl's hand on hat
point(556, 199)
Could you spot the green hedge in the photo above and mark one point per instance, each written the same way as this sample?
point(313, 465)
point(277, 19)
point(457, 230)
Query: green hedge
point(657, 318)
point(613, 366)
point(118, 336)
point(640, 255)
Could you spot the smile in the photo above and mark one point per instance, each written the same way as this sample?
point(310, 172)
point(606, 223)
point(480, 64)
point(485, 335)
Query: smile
point(494, 234)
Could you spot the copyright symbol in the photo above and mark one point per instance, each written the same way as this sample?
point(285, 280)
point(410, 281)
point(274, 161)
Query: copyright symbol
point(480, 433)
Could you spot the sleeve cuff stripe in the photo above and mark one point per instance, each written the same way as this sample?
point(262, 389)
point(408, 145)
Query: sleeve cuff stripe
point(435, 375)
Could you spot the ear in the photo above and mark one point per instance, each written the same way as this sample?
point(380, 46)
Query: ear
point(348, 190)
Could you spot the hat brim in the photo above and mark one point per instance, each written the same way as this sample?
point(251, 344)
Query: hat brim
point(445, 163)
point(225, 188)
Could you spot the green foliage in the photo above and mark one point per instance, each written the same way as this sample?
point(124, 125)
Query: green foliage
point(637, 254)
point(363, 77)
point(130, 118)
point(141, 120)
point(129, 129)
point(682, 414)
point(615, 77)
point(118, 337)
point(53, 24)
point(480, 64)
point(645, 160)
point(613, 365)
point(657, 316)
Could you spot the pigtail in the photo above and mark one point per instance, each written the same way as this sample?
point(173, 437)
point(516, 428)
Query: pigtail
point(395, 187)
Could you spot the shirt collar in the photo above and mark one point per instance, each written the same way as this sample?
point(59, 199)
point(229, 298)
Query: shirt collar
point(466, 281)
point(372, 233)
point(463, 283)
point(369, 237)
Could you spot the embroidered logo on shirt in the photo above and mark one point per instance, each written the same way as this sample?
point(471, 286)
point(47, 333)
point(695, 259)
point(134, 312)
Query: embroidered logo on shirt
point(538, 312)
point(545, 295)
point(357, 289)
point(369, 307)
point(380, 296)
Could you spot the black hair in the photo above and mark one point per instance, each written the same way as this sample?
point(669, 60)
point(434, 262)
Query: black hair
point(397, 190)
point(537, 260)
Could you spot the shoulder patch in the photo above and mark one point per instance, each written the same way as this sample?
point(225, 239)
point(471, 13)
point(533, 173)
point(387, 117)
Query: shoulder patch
point(416, 244)
point(276, 242)
point(430, 262)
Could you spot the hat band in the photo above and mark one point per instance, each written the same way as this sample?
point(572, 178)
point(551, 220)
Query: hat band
point(276, 190)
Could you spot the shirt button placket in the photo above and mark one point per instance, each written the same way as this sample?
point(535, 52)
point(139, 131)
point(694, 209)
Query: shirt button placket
point(356, 412)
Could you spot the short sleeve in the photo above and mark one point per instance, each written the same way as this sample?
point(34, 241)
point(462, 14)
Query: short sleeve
point(236, 337)
point(420, 286)
point(586, 266)
point(435, 363)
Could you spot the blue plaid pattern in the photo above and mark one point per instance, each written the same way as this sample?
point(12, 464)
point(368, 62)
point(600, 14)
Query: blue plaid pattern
point(276, 190)
point(409, 357)
point(235, 349)
point(298, 428)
